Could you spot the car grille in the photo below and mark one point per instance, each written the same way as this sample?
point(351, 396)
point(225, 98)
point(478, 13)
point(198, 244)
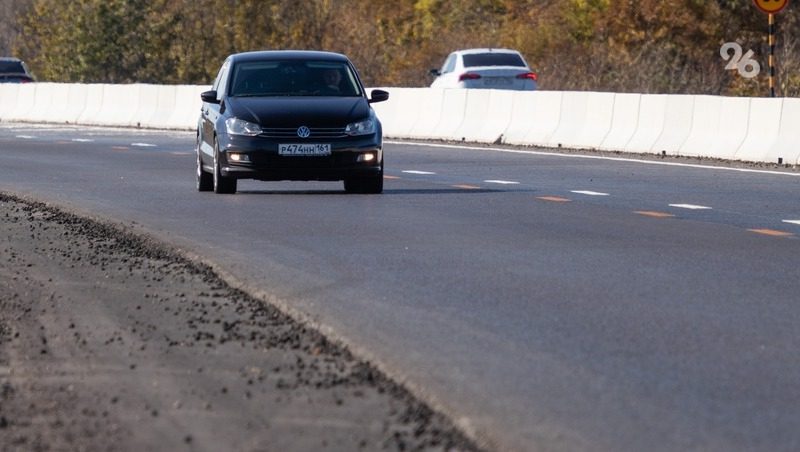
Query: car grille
point(291, 132)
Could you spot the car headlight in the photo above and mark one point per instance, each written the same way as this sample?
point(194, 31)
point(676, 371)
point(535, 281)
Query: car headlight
point(365, 127)
point(238, 126)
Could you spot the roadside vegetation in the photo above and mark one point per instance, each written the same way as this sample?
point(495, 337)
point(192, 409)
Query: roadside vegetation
point(648, 46)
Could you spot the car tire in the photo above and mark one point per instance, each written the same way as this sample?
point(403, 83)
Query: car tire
point(205, 181)
point(368, 185)
point(222, 184)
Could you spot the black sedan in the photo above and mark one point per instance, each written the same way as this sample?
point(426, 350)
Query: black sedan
point(13, 70)
point(289, 115)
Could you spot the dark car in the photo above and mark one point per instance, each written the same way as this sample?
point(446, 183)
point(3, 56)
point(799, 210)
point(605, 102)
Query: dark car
point(13, 70)
point(289, 115)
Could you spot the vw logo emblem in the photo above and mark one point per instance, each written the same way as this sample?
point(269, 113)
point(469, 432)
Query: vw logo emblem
point(303, 132)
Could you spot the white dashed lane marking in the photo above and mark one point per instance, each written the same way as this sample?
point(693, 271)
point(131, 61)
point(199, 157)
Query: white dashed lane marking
point(589, 193)
point(502, 182)
point(143, 145)
point(418, 172)
point(690, 206)
point(792, 221)
point(82, 140)
point(25, 137)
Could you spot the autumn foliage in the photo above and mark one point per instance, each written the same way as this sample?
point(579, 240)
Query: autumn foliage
point(648, 46)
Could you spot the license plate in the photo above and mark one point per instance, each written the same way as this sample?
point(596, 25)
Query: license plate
point(497, 81)
point(304, 149)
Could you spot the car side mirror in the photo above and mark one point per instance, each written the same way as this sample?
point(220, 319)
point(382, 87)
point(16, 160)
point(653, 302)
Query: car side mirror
point(378, 95)
point(209, 96)
point(435, 72)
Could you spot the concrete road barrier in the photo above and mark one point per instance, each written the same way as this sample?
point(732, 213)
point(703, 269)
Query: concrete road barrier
point(147, 106)
point(497, 119)
point(574, 105)
point(94, 103)
point(26, 99)
point(406, 102)
point(454, 103)
point(486, 116)
point(535, 117)
point(43, 97)
point(652, 111)
point(597, 123)
point(77, 97)
point(187, 107)
point(387, 111)
point(762, 129)
point(9, 92)
point(705, 126)
point(120, 103)
point(787, 145)
point(751, 129)
point(624, 121)
point(429, 113)
point(677, 124)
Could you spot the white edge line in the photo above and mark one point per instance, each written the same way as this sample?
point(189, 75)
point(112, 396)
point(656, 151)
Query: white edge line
point(690, 206)
point(792, 221)
point(595, 157)
point(589, 193)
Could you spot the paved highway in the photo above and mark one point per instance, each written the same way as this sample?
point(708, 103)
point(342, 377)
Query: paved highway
point(544, 301)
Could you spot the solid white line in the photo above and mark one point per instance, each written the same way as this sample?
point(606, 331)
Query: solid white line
point(144, 145)
point(689, 206)
point(792, 221)
point(25, 137)
point(589, 193)
point(595, 157)
point(418, 172)
point(502, 182)
point(83, 140)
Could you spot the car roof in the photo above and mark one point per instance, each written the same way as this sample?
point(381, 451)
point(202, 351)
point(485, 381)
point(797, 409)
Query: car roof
point(11, 59)
point(287, 55)
point(485, 50)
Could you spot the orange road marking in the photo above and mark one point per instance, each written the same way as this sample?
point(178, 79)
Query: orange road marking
point(650, 213)
point(772, 232)
point(553, 198)
point(62, 142)
point(390, 177)
point(467, 187)
point(119, 148)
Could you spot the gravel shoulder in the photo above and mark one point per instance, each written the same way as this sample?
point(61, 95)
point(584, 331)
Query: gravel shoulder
point(111, 341)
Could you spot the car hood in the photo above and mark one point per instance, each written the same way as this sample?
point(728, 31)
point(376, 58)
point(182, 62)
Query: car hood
point(299, 111)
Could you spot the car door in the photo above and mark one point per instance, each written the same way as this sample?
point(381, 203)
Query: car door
point(447, 77)
point(210, 111)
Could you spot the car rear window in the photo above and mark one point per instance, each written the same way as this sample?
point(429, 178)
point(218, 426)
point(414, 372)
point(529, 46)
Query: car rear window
point(493, 59)
point(11, 67)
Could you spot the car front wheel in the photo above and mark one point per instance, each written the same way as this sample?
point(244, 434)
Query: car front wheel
point(372, 185)
point(205, 181)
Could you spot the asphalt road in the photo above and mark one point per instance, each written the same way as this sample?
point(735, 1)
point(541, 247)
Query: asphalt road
point(545, 302)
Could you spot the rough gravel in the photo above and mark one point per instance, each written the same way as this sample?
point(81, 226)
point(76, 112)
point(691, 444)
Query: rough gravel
point(111, 341)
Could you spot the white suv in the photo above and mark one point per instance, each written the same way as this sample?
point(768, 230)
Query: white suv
point(485, 68)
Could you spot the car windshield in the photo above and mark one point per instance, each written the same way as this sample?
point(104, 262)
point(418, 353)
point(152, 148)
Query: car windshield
point(293, 78)
point(493, 59)
point(14, 67)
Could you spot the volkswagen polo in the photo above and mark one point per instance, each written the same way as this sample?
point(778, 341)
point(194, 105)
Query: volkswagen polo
point(289, 115)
